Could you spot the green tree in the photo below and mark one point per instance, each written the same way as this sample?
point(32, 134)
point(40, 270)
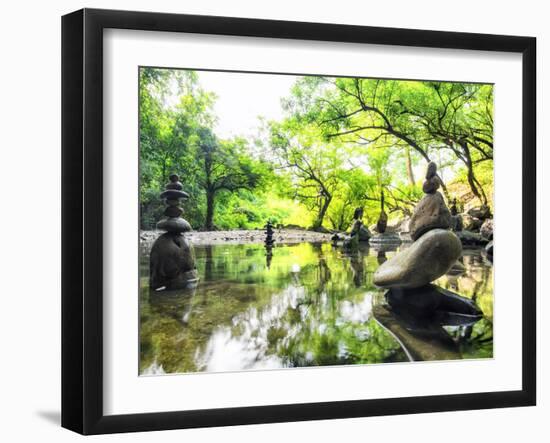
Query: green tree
point(315, 165)
point(423, 118)
point(224, 166)
point(172, 109)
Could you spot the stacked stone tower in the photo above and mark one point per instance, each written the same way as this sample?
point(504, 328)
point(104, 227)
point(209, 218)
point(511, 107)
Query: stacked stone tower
point(172, 262)
point(435, 249)
point(269, 234)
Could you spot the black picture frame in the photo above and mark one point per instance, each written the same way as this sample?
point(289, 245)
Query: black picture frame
point(82, 218)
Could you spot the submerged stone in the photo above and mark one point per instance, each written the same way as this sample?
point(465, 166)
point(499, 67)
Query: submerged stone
point(420, 340)
point(172, 262)
point(433, 301)
point(427, 259)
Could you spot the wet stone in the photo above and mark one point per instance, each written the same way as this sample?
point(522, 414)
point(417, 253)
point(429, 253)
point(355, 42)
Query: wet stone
point(431, 299)
point(172, 262)
point(424, 261)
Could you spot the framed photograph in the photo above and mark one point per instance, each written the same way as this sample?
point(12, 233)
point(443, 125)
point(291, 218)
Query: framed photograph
point(268, 221)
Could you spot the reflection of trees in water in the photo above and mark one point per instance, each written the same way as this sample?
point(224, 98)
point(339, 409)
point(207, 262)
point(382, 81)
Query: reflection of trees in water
point(357, 263)
point(208, 262)
point(422, 338)
point(268, 255)
point(474, 341)
point(318, 315)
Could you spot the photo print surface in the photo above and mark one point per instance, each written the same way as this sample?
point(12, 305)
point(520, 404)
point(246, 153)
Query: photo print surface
point(294, 221)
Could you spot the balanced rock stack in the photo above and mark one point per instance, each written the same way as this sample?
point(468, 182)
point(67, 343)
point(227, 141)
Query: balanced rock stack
point(456, 219)
point(358, 228)
point(172, 262)
point(382, 222)
point(435, 249)
point(269, 234)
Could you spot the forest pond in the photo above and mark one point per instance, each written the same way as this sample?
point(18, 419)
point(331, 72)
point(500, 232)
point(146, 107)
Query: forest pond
point(304, 304)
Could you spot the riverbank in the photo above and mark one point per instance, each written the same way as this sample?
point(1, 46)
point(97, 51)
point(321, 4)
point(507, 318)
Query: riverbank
point(286, 236)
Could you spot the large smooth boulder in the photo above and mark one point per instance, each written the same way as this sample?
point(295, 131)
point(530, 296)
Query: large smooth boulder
point(427, 259)
point(172, 262)
point(430, 213)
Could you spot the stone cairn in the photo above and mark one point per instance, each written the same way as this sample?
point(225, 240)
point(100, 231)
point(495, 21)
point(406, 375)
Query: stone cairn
point(456, 219)
point(382, 223)
point(384, 236)
point(269, 234)
point(172, 262)
point(358, 228)
point(435, 248)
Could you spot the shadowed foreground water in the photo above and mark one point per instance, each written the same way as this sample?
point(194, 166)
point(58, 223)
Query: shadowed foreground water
point(305, 305)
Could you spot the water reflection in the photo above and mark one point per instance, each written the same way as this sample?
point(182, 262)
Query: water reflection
point(293, 306)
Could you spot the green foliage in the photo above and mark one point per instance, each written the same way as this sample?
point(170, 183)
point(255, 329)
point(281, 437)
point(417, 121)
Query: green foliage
point(343, 143)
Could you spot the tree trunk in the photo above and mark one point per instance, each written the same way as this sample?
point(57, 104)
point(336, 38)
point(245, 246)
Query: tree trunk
point(319, 222)
point(472, 181)
point(482, 191)
point(209, 223)
point(409, 165)
point(473, 186)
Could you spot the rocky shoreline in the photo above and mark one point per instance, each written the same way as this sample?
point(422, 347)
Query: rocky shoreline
point(286, 236)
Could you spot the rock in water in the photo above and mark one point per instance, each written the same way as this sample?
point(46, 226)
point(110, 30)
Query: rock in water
point(469, 238)
point(172, 262)
point(430, 213)
point(359, 229)
point(427, 259)
point(431, 299)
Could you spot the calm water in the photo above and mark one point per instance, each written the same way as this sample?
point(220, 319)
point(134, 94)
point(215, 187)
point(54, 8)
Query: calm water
point(306, 305)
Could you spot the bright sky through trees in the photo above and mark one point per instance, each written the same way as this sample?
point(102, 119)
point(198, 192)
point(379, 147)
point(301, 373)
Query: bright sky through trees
point(244, 97)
